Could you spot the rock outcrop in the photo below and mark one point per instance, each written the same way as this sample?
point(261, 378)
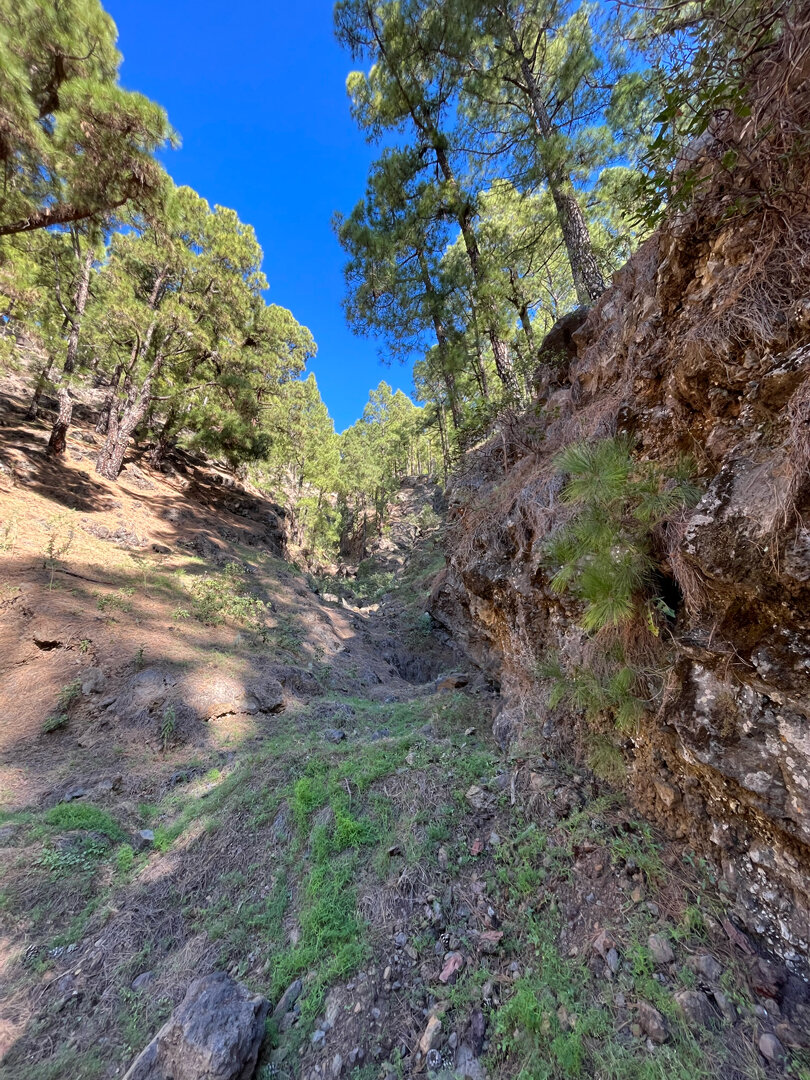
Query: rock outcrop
point(700, 347)
point(214, 1034)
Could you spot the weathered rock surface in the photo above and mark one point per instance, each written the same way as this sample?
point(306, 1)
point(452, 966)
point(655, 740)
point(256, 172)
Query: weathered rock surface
point(691, 351)
point(660, 949)
point(214, 1034)
point(652, 1023)
point(204, 695)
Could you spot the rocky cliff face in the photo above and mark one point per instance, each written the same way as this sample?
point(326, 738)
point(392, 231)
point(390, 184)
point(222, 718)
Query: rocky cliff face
point(701, 346)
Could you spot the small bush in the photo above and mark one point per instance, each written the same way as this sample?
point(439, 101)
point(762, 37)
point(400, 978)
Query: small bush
point(604, 554)
point(60, 529)
point(617, 694)
point(217, 597)
point(117, 601)
point(69, 694)
point(288, 634)
point(79, 858)
point(54, 721)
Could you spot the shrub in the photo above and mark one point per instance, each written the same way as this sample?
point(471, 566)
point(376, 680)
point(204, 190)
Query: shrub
point(618, 694)
point(167, 726)
point(217, 597)
point(54, 721)
point(61, 529)
point(604, 554)
point(79, 858)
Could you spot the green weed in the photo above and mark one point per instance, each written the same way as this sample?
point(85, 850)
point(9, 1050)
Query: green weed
point(117, 601)
point(66, 698)
point(81, 857)
point(124, 858)
point(639, 847)
point(168, 725)
point(60, 530)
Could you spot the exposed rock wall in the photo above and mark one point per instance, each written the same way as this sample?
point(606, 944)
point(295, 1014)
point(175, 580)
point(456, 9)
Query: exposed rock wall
point(701, 346)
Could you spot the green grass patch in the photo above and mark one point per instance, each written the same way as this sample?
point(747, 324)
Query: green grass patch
point(75, 815)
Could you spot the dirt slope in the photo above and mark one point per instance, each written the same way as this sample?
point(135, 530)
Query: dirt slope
point(242, 775)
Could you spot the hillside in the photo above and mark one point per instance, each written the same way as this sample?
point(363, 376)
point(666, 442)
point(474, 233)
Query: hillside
point(210, 767)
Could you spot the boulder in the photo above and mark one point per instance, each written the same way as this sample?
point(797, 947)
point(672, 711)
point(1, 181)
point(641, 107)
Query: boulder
point(770, 1047)
point(212, 696)
point(145, 690)
point(214, 1034)
point(660, 949)
point(696, 1007)
point(707, 966)
point(93, 680)
point(652, 1023)
point(268, 692)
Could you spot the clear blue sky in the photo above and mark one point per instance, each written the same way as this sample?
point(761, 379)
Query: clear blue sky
point(257, 92)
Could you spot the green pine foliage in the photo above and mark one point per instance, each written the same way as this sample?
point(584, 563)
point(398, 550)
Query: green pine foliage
point(73, 143)
point(605, 557)
point(618, 695)
point(521, 147)
point(604, 554)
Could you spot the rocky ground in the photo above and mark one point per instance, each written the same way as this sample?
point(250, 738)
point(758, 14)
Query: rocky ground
point(210, 761)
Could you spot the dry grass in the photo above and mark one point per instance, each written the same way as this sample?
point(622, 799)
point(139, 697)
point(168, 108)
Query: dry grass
point(797, 449)
point(695, 587)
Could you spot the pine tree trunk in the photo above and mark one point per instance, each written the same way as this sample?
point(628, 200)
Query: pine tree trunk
point(57, 444)
point(500, 350)
point(111, 456)
point(441, 340)
point(522, 308)
point(79, 304)
point(39, 390)
point(103, 422)
point(139, 348)
point(588, 280)
point(443, 438)
point(479, 366)
point(164, 440)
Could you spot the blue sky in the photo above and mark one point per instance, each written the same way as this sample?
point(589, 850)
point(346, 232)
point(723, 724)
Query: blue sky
point(257, 93)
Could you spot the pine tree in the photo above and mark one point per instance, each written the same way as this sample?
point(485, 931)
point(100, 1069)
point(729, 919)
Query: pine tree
point(411, 84)
point(190, 334)
point(73, 143)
